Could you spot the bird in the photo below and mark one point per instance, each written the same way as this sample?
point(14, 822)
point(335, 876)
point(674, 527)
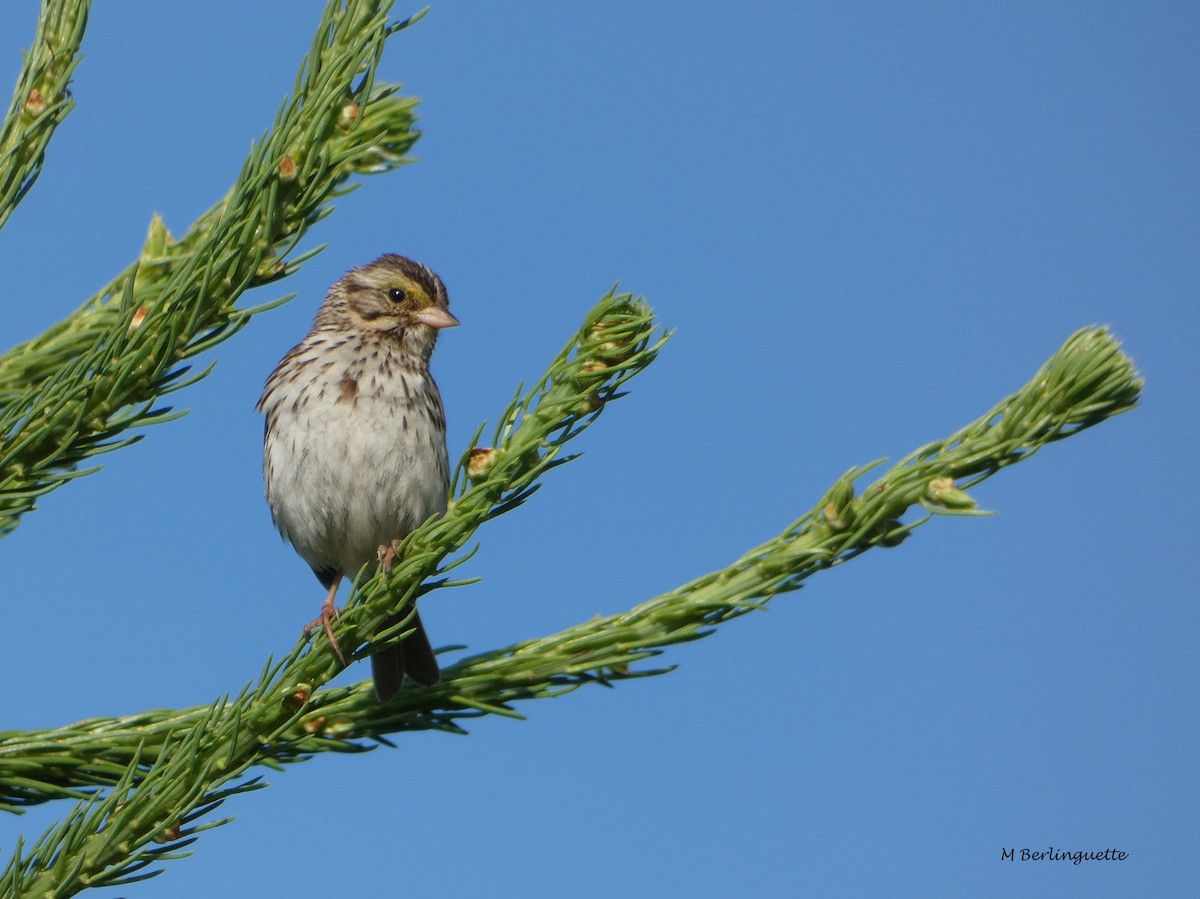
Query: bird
point(354, 441)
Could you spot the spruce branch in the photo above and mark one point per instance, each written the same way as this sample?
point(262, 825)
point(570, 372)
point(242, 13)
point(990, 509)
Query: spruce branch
point(1085, 382)
point(147, 785)
point(81, 387)
point(169, 780)
point(40, 99)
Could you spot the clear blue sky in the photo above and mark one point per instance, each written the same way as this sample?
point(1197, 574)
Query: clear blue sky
point(867, 222)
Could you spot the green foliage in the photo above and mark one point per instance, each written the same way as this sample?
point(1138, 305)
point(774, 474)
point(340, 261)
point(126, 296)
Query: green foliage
point(79, 389)
point(41, 99)
point(145, 786)
point(286, 717)
point(171, 773)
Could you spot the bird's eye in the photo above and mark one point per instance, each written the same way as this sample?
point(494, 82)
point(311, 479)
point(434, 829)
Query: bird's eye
point(397, 294)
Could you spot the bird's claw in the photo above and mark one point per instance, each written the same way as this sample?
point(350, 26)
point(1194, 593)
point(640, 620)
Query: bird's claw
point(329, 614)
point(387, 555)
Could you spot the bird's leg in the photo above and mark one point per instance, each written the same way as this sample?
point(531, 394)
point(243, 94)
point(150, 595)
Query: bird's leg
point(329, 613)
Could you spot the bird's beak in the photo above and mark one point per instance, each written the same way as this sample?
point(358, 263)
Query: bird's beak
point(436, 317)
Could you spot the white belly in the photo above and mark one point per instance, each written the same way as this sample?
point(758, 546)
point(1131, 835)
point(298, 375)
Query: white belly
point(345, 478)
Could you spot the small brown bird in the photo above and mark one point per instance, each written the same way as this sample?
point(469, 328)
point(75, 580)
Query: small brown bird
point(354, 450)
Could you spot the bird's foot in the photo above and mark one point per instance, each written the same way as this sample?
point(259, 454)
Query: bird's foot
point(387, 555)
point(329, 614)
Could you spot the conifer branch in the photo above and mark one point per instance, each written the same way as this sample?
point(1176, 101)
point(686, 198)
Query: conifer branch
point(286, 718)
point(78, 390)
point(40, 100)
point(147, 785)
point(171, 778)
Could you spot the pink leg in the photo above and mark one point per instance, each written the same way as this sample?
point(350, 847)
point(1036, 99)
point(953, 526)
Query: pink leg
point(329, 613)
point(387, 555)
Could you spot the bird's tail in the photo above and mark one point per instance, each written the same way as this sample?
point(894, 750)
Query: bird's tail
point(412, 656)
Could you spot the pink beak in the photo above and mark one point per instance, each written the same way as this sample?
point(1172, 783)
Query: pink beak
point(436, 317)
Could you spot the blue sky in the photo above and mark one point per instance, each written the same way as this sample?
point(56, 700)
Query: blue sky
point(868, 223)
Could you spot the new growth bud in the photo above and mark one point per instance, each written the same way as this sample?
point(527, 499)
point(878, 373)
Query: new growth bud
point(942, 492)
point(481, 462)
point(35, 103)
point(839, 511)
point(349, 115)
point(298, 698)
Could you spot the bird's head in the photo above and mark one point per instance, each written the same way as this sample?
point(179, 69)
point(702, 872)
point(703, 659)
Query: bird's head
point(393, 295)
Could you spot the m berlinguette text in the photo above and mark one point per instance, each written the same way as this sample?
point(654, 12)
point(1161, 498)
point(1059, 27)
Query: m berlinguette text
point(1061, 855)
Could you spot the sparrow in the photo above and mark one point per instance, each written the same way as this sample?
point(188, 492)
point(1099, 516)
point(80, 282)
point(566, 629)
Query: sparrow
point(354, 444)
